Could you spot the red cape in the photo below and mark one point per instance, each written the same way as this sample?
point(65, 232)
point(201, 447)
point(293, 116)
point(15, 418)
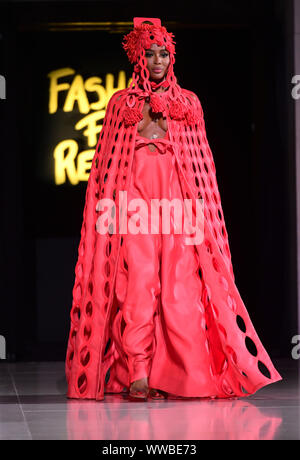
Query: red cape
point(239, 362)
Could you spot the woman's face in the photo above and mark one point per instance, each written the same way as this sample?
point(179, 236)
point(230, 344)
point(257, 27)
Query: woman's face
point(158, 60)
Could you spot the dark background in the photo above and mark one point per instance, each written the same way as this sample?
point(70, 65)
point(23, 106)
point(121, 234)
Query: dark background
point(236, 56)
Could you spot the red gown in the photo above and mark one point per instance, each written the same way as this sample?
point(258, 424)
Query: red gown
point(152, 322)
point(159, 330)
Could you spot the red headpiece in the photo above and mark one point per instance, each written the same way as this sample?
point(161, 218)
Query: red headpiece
point(146, 32)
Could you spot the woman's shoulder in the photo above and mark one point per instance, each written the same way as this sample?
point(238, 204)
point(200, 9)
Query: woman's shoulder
point(117, 95)
point(193, 99)
point(188, 92)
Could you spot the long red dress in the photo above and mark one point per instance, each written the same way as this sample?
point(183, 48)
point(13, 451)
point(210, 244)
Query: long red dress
point(160, 328)
point(178, 316)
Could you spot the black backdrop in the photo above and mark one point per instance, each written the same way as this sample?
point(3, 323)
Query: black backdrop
point(234, 55)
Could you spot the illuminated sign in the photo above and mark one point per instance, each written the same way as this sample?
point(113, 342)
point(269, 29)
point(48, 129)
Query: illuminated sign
point(69, 162)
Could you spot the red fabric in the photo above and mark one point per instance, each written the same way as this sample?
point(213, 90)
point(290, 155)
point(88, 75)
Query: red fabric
point(156, 103)
point(236, 360)
point(142, 38)
point(158, 290)
point(131, 116)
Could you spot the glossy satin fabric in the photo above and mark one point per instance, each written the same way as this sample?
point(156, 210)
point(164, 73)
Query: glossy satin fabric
point(159, 330)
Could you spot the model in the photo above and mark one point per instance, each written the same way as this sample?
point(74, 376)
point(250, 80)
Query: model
point(156, 313)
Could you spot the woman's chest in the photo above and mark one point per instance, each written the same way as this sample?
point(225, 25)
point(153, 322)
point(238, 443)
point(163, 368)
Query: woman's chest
point(152, 123)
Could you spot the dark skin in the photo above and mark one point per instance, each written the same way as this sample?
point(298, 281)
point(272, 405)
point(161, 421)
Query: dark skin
point(157, 57)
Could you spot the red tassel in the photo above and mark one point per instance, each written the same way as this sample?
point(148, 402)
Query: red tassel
point(156, 103)
point(191, 117)
point(131, 116)
point(176, 111)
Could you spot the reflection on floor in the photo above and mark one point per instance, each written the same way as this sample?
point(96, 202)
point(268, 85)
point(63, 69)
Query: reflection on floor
point(33, 405)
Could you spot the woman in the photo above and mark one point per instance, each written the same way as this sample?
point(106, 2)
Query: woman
point(159, 310)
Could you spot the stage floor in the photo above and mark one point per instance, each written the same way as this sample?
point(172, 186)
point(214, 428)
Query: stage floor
point(33, 405)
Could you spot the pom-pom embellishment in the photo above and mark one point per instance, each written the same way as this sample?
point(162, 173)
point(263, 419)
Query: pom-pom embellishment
point(176, 111)
point(156, 103)
point(131, 115)
point(191, 117)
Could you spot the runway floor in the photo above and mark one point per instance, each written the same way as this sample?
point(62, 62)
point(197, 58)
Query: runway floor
point(33, 406)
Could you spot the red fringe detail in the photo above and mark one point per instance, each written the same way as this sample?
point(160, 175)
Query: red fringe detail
point(156, 103)
point(131, 115)
point(191, 117)
point(176, 111)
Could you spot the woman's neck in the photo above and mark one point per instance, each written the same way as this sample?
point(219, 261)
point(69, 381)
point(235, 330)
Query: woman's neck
point(160, 89)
